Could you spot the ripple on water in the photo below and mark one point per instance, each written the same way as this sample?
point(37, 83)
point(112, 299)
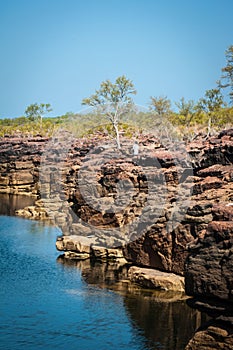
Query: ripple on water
point(50, 305)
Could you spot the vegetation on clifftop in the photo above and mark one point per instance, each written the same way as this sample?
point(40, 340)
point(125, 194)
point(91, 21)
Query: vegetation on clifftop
point(114, 112)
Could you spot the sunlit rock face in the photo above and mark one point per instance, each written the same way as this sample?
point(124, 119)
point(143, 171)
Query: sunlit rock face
point(154, 279)
point(212, 195)
point(157, 245)
point(19, 164)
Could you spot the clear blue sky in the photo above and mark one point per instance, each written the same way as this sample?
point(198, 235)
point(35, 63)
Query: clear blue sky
point(59, 51)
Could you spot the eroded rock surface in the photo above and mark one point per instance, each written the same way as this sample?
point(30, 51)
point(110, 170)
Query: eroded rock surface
point(209, 266)
point(19, 163)
point(96, 202)
point(216, 336)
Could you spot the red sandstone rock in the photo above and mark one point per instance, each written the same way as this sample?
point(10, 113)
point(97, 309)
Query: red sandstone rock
point(157, 247)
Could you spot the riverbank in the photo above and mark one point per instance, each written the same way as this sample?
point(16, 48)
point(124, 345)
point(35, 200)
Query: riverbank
point(205, 230)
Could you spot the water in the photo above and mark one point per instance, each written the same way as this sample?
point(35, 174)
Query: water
point(9, 203)
point(49, 303)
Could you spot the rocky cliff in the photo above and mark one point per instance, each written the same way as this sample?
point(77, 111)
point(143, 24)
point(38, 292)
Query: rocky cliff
point(82, 194)
point(160, 210)
point(19, 164)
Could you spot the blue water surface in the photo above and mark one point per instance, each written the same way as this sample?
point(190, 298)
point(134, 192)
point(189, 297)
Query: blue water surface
point(45, 304)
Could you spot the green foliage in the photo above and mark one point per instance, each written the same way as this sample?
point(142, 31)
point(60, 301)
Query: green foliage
point(115, 113)
point(186, 111)
point(227, 77)
point(160, 105)
point(24, 126)
point(210, 105)
point(113, 101)
point(36, 111)
point(112, 94)
point(211, 102)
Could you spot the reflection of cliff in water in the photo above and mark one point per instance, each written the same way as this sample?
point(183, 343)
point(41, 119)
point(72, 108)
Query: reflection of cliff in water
point(10, 203)
point(164, 318)
point(170, 324)
point(99, 273)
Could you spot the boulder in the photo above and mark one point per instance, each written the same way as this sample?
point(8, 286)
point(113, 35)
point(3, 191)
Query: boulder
point(154, 279)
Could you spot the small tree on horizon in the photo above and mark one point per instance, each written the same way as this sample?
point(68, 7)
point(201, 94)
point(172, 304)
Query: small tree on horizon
point(227, 76)
point(113, 100)
point(37, 111)
point(160, 105)
point(186, 110)
point(211, 103)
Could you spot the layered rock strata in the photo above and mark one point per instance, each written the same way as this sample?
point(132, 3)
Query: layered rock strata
point(19, 164)
point(150, 187)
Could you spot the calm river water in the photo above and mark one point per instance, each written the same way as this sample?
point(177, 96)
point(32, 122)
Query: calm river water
point(49, 303)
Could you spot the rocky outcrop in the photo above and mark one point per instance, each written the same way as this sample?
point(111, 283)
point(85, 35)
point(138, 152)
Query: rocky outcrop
point(213, 336)
point(35, 212)
point(212, 182)
point(81, 248)
point(149, 186)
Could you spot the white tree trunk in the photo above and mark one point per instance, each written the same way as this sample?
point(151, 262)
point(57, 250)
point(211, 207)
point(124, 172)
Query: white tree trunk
point(117, 135)
point(209, 126)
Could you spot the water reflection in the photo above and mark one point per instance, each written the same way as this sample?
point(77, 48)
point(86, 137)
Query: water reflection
point(10, 203)
point(164, 318)
point(159, 320)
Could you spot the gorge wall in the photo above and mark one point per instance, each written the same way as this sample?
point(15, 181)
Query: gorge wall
point(207, 221)
point(197, 244)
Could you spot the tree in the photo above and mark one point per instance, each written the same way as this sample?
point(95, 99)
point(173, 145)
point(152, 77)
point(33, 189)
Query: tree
point(211, 103)
point(227, 77)
point(113, 101)
point(37, 111)
point(160, 105)
point(186, 110)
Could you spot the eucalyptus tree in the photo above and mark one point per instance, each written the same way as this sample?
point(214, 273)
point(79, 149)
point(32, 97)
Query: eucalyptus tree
point(37, 111)
point(160, 105)
point(211, 103)
point(227, 76)
point(186, 109)
point(113, 100)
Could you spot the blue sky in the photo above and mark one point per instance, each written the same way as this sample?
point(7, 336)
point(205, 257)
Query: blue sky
point(59, 51)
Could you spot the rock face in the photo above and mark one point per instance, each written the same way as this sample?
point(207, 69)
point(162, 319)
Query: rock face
point(97, 204)
point(214, 336)
point(82, 197)
point(212, 184)
point(209, 266)
point(19, 162)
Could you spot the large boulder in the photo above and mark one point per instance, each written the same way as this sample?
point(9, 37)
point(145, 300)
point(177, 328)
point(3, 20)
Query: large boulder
point(154, 279)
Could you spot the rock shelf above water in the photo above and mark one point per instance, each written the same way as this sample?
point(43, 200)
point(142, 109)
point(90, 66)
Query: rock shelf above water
point(204, 231)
